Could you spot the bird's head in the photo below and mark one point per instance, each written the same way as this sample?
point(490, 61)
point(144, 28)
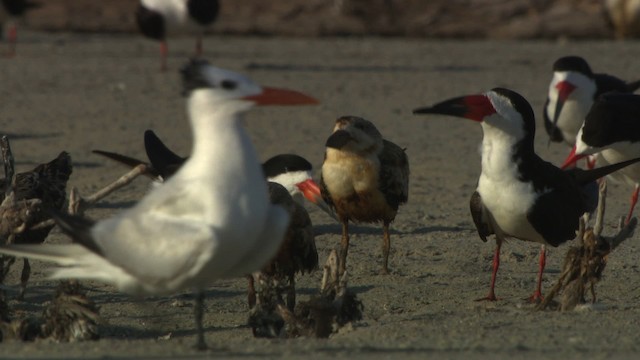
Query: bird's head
point(203, 82)
point(501, 109)
point(356, 135)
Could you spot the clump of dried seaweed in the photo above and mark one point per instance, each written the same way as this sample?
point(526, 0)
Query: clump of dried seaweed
point(322, 315)
point(585, 263)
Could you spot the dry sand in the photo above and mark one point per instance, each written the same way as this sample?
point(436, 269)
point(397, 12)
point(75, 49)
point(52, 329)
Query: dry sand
point(78, 93)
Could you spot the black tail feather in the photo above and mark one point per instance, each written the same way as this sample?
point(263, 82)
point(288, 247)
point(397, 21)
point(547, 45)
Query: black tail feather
point(633, 86)
point(77, 227)
point(129, 162)
point(165, 161)
point(586, 176)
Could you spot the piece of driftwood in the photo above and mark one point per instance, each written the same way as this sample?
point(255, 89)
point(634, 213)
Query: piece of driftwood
point(324, 314)
point(585, 263)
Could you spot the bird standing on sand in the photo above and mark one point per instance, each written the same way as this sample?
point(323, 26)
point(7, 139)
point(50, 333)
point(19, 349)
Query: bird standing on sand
point(364, 178)
point(611, 131)
point(212, 219)
point(572, 91)
point(12, 10)
point(158, 19)
point(520, 195)
point(47, 183)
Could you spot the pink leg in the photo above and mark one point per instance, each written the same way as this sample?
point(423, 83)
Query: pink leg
point(537, 295)
point(496, 264)
point(634, 201)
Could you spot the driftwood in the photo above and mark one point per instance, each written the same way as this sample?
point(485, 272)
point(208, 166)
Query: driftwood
point(585, 263)
point(324, 314)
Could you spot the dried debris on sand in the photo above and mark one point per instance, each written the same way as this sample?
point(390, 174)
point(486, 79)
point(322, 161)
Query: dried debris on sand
point(322, 315)
point(584, 263)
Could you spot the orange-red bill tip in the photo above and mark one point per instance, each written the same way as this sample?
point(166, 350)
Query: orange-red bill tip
point(571, 159)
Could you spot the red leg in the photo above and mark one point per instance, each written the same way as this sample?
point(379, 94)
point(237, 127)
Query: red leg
point(537, 295)
point(199, 46)
point(496, 264)
point(164, 50)
point(12, 37)
point(634, 200)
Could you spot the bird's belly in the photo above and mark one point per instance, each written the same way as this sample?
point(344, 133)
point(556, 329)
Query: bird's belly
point(509, 204)
point(354, 190)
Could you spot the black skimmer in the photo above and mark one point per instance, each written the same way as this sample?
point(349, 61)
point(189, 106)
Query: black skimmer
point(611, 131)
point(217, 205)
point(297, 254)
point(572, 91)
point(520, 195)
point(157, 19)
point(14, 9)
point(46, 182)
point(365, 178)
point(292, 171)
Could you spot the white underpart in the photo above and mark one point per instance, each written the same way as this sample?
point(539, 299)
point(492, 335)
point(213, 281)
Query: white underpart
point(211, 220)
point(503, 194)
point(576, 106)
point(289, 181)
point(175, 14)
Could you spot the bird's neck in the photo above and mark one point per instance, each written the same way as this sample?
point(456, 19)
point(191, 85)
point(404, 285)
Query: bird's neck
point(217, 130)
point(502, 153)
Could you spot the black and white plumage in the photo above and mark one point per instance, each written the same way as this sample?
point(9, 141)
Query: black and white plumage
point(611, 132)
point(193, 229)
point(48, 183)
point(520, 195)
point(158, 19)
point(572, 91)
point(365, 178)
point(12, 10)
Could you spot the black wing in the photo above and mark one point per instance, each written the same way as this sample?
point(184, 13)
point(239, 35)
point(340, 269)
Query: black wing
point(479, 214)
point(165, 161)
point(606, 83)
point(394, 174)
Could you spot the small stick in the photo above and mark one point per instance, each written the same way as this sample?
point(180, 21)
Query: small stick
point(7, 158)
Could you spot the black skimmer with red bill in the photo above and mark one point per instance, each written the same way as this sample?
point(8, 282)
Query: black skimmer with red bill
point(572, 91)
point(216, 205)
point(158, 19)
point(365, 178)
point(520, 195)
point(292, 171)
point(12, 10)
point(611, 132)
point(48, 183)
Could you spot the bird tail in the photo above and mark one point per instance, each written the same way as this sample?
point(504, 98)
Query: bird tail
point(160, 156)
point(129, 162)
point(586, 176)
point(633, 86)
point(77, 227)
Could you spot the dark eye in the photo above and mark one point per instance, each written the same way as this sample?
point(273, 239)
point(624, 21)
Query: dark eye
point(228, 84)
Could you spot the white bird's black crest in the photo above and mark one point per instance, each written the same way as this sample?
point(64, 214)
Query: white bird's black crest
point(284, 163)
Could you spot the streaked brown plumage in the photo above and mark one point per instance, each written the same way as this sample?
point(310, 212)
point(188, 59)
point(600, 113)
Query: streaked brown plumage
point(365, 178)
point(46, 182)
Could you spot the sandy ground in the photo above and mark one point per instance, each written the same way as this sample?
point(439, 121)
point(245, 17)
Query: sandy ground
point(78, 93)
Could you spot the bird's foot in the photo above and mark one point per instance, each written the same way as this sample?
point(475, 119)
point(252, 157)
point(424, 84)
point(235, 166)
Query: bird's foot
point(490, 297)
point(536, 298)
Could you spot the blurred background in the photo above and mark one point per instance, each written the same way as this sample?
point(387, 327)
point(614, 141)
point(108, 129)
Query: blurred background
point(501, 19)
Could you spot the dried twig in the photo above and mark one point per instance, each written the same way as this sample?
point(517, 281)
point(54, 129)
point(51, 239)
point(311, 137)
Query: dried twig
point(585, 263)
